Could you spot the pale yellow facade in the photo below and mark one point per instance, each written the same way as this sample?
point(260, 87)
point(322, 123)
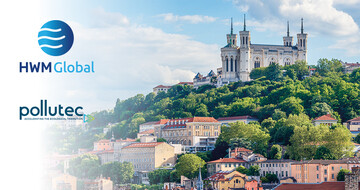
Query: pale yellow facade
point(64, 181)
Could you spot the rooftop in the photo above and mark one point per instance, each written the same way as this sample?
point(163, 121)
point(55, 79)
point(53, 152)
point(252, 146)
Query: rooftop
point(338, 185)
point(227, 160)
point(241, 149)
point(181, 123)
point(326, 117)
point(162, 86)
point(150, 131)
point(220, 176)
point(355, 119)
point(144, 145)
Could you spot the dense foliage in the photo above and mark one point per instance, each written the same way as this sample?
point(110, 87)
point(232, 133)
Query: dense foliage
point(283, 98)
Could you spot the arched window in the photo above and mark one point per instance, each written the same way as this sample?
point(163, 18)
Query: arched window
point(227, 65)
point(246, 40)
point(287, 61)
point(243, 41)
point(303, 42)
point(300, 42)
point(272, 61)
point(231, 65)
point(235, 65)
point(257, 62)
point(234, 42)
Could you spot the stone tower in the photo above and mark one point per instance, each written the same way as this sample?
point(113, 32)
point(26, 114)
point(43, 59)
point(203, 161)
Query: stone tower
point(245, 53)
point(288, 40)
point(302, 42)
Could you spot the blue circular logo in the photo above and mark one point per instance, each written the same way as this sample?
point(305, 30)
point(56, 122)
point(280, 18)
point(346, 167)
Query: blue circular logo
point(55, 38)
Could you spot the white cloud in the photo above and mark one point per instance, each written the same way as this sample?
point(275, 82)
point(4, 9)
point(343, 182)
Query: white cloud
point(321, 17)
point(193, 19)
point(130, 59)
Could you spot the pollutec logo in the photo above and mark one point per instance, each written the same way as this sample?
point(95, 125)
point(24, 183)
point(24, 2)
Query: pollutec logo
point(88, 118)
point(55, 38)
point(46, 112)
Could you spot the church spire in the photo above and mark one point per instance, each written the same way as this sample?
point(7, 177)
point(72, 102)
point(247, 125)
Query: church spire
point(302, 26)
point(231, 26)
point(244, 22)
point(288, 33)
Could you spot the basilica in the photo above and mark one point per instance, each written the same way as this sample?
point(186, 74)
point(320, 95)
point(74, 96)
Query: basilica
point(239, 59)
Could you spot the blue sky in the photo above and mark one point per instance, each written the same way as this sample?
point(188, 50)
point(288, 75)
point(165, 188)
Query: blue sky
point(137, 45)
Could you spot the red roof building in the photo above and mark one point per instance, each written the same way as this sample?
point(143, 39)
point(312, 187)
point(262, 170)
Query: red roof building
point(325, 119)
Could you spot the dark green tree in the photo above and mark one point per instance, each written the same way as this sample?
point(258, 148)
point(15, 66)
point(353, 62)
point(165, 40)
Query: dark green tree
point(341, 175)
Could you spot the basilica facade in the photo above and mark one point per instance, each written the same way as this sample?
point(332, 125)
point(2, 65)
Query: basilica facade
point(239, 59)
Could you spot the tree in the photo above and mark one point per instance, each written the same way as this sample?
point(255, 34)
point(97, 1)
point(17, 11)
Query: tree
point(273, 72)
point(320, 108)
point(161, 140)
point(278, 114)
point(254, 170)
point(242, 170)
point(323, 153)
point(201, 110)
point(252, 132)
point(341, 174)
point(159, 176)
point(357, 138)
point(275, 152)
point(119, 173)
point(240, 142)
point(325, 66)
point(292, 105)
point(257, 73)
point(85, 166)
point(204, 155)
point(188, 165)
point(306, 140)
point(300, 68)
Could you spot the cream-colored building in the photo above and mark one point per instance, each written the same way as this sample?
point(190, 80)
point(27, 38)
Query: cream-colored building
point(324, 119)
point(161, 88)
point(353, 124)
point(224, 164)
point(146, 157)
point(224, 180)
point(281, 168)
point(196, 133)
point(316, 171)
point(64, 181)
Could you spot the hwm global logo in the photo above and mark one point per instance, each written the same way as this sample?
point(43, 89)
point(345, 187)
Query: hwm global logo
point(56, 38)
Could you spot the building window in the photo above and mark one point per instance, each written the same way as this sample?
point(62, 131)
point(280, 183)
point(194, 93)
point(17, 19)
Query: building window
point(332, 176)
point(325, 179)
point(231, 64)
point(317, 168)
point(227, 65)
point(235, 65)
point(317, 176)
point(257, 64)
point(325, 171)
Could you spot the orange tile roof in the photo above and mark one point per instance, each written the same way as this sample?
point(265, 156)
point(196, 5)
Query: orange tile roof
point(162, 121)
point(227, 160)
point(220, 176)
point(355, 119)
point(150, 131)
point(326, 117)
point(103, 141)
point(144, 145)
point(235, 118)
point(181, 123)
point(126, 140)
point(338, 185)
point(189, 83)
point(162, 86)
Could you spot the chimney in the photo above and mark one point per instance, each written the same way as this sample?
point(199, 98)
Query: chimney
point(351, 181)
